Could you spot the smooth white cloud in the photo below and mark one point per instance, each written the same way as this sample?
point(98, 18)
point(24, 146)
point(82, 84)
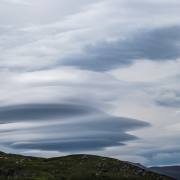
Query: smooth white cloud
point(147, 71)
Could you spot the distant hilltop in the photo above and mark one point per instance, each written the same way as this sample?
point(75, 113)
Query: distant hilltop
point(73, 167)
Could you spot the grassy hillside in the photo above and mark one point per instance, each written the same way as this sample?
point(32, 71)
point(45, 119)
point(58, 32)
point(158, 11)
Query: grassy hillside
point(75, 167)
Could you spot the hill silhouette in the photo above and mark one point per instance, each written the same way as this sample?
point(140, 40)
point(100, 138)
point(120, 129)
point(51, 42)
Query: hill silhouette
point(73, 167)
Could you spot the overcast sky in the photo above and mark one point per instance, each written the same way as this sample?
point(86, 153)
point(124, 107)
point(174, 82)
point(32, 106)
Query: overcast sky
point(91, 76)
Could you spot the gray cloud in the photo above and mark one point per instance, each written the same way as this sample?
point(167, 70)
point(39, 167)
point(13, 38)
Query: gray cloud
point(73, 146)
point(89, 128)
point(170, 99)
point(162, 155)
point(40, 111)
point(169, 103)
point(157, 44)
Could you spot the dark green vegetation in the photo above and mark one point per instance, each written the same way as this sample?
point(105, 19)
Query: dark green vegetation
point(75, 167)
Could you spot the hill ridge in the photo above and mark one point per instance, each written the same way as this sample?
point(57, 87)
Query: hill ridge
point(72, 167)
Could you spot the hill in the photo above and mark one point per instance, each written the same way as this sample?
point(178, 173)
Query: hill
point(74, 167)
point(173, 171)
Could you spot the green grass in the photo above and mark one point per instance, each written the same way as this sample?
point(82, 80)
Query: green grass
point(75, 167)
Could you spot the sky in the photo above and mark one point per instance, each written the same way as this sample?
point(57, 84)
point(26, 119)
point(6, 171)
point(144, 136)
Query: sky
point(91, 76)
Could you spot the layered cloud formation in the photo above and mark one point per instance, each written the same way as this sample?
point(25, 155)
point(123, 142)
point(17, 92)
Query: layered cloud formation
point(156, 45)
point(65, 127)
point(97, 77)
